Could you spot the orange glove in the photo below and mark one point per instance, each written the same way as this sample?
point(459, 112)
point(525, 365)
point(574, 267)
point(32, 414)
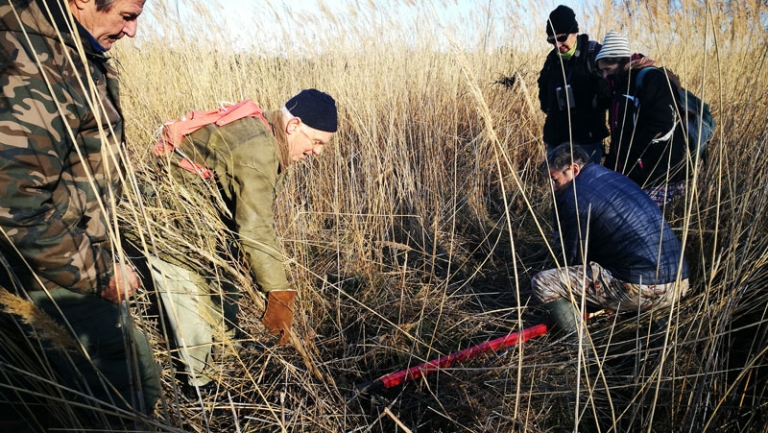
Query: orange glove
point(279, 314)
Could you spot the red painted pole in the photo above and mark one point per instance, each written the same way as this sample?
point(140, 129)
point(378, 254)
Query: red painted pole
point(445, 361)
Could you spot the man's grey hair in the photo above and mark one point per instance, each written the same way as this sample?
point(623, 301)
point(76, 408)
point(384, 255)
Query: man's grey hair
point(104, 5)
point(286, 114)
point(564, 155)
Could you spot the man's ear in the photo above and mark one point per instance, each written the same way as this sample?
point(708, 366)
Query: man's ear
point(79, 4)
point(576, 169)
point(292, 125)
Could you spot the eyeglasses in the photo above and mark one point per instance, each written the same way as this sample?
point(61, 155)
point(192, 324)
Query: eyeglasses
point(559, 38)
point(314, 141)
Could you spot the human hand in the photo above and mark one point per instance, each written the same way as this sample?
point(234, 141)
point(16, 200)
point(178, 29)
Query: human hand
point(279, 315)
point(122, 285)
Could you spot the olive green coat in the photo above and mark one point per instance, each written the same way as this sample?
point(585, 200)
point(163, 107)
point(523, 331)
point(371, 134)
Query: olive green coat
point(245, 157)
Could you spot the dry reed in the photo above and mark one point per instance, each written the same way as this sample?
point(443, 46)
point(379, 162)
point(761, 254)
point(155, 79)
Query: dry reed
point(418, 232)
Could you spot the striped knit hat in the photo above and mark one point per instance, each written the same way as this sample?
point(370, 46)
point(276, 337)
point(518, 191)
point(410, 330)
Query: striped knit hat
point(614, 45)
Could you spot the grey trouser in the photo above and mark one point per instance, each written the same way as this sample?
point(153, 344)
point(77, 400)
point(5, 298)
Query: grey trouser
point(598, 286)
point(192, 314)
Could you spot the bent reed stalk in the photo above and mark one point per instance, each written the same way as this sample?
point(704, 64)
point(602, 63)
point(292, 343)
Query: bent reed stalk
point(417, 232)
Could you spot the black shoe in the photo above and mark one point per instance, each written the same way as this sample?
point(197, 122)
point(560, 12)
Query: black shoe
point(244, 342)
point(207, 390)
point(658, 333)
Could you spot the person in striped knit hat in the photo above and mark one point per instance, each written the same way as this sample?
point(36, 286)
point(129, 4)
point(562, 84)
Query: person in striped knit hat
point(647, 142)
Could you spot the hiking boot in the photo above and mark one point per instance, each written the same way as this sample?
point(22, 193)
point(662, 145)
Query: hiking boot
point(207, 390)
point(562, 316)
point(658, 332)
point(247, 343)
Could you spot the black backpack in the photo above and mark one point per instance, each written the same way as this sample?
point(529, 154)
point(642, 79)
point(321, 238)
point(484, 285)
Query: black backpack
point(700, 125)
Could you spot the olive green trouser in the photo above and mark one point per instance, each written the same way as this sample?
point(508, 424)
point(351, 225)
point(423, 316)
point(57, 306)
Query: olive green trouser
point(193, 315)
point(121, 371)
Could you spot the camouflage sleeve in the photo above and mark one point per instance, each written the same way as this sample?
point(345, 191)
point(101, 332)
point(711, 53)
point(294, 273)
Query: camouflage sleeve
point(254, 184)
point(41, 207)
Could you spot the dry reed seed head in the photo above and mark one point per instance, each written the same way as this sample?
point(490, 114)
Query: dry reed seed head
point(562, 20)
point(429, 87)
point(315, 108)
point(45, 327)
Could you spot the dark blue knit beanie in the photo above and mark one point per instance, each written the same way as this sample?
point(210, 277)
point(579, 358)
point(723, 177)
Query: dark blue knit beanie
point(563, 19)
point(315, 108)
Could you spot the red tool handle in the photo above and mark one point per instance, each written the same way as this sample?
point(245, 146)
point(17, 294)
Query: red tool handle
point(445, 361)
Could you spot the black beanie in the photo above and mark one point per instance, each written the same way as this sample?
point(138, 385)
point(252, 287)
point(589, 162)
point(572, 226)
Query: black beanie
point(563, 20)
point(315, 108)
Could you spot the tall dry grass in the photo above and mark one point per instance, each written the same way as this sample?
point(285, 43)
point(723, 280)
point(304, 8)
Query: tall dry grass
point(417, 232)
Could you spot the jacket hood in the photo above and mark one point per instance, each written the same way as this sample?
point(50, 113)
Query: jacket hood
point(44, 18)
point(639, 61)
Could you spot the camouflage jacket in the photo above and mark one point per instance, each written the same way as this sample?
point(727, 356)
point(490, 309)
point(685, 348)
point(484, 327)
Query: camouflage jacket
point(245, 158)
point(60, 133)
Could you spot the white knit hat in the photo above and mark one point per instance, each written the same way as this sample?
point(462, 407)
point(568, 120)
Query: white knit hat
point(614, 45)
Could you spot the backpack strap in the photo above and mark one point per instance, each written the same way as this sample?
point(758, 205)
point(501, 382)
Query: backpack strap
point(172, 133)
point(641, 73)
point(638, 86)
point(639, 78)
point(590, 57)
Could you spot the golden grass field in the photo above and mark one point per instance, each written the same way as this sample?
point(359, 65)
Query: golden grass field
point(418, 230)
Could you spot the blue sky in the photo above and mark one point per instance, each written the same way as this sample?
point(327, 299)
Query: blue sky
point(252, 21)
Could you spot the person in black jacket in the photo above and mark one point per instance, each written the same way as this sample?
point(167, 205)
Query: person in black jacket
point(647, 138)
point(619, 252)
point(571, 93)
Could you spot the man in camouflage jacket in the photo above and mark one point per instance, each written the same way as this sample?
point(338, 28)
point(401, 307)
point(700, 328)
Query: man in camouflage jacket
point(61, 138)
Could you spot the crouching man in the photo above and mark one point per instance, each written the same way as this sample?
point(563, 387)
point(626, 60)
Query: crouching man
point(619, 252)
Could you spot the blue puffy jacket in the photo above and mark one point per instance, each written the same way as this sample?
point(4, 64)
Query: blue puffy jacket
point(621, 228)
